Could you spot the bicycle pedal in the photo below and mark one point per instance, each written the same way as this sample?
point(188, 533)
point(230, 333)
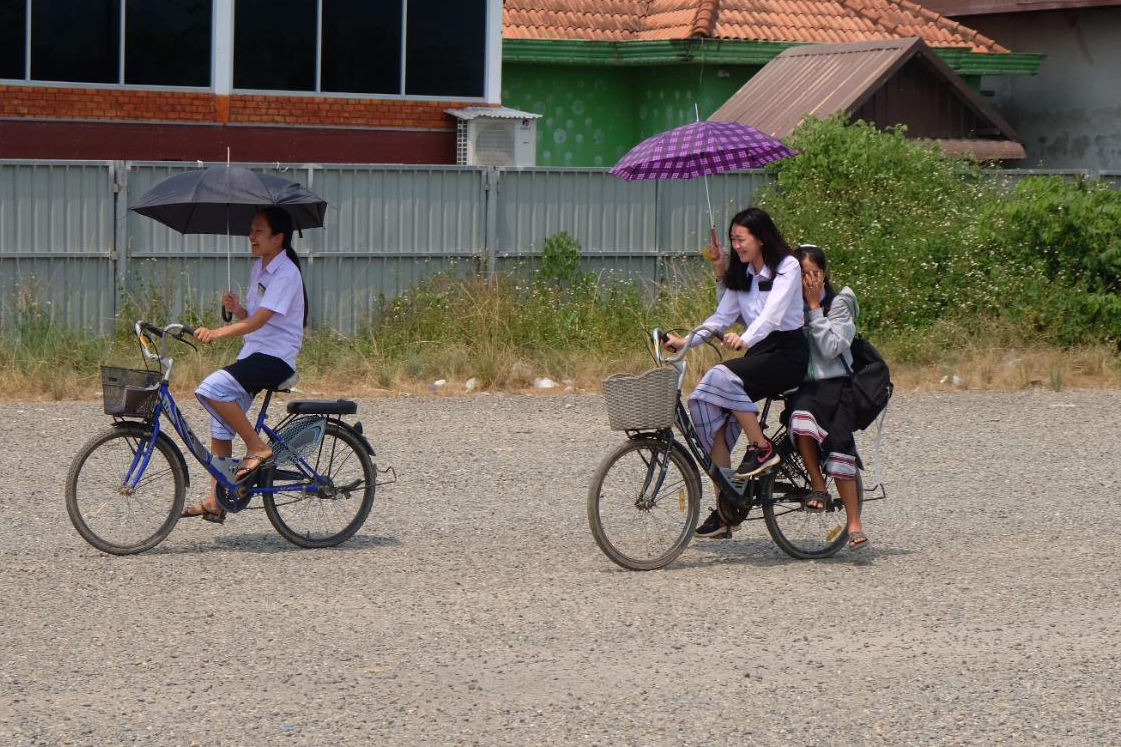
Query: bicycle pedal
point(739, 483)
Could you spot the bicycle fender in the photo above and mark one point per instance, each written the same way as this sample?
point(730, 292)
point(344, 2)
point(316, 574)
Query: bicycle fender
point(162, 438)
point(356, 429)
point(678, 447)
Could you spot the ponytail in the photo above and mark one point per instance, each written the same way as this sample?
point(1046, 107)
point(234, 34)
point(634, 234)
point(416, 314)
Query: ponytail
point(281, 222)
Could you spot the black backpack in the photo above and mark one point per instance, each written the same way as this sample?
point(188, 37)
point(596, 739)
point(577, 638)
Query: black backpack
point(871, 382)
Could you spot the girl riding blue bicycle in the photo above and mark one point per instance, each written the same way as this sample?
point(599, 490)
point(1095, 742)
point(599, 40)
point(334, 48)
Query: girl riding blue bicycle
point(272, 323)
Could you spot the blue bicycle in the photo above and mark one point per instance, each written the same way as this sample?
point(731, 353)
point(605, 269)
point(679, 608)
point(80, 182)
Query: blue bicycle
point(127, 485)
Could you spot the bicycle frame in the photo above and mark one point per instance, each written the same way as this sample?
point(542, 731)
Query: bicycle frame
point(221, 469)
point(684, 423)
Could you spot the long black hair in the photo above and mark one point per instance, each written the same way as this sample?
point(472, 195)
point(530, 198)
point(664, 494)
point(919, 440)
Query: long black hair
point(281, 222)
point(775, 248)
point(817, 256)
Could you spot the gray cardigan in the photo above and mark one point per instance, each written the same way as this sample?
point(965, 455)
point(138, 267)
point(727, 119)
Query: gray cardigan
point(831, 336)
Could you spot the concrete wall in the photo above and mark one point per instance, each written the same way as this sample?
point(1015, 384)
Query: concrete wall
point(1069, 115)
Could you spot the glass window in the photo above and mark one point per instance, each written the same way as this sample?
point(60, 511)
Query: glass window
point(13, 38)
point(274, 44)
point(361, 46)
point(76, 42)
point(446, 47)
point(151, 29)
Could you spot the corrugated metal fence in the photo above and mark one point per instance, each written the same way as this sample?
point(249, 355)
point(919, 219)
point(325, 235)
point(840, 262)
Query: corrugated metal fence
point(69, 244)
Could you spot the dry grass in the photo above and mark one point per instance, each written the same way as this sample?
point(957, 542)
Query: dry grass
point(980, 368)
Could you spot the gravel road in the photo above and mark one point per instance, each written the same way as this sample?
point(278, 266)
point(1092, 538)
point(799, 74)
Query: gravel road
point(474, 607)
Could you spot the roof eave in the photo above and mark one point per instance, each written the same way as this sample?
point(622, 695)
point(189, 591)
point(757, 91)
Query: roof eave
point(729, 52)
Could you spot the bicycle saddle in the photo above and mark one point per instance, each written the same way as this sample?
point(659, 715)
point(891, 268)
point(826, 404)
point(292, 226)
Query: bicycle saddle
point(288, 383)
point(322, 407)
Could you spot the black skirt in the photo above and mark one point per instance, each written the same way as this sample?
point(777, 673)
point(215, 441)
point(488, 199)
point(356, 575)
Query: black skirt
point(829, 403)
point(259, 371)
point(774, 365)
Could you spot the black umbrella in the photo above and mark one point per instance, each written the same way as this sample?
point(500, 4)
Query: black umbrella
point(224, 199)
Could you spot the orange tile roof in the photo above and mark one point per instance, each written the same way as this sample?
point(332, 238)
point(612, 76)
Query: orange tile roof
point(829, 21)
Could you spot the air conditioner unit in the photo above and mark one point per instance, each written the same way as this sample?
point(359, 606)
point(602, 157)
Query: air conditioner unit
point(495, 137)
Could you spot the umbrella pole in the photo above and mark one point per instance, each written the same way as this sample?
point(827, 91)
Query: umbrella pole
point(227, 316)
point(708, 198)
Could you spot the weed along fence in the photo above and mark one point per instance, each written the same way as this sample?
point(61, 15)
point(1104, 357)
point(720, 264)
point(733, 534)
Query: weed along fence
point(69, 246)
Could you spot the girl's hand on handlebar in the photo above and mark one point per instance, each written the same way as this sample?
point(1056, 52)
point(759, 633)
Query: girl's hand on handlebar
point(674, 343)
point(206, 335)
point(732, 341)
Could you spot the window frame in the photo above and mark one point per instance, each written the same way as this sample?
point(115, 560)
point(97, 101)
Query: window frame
point(27, 80)
point(492, 61)
point(402, 78)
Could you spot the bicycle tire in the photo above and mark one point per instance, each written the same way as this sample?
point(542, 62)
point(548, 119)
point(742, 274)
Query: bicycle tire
point(276, 502)
point(691, 485)
point(172, 466)
point(823, 523)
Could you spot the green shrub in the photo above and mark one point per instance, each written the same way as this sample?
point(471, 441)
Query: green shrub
point(924, 238)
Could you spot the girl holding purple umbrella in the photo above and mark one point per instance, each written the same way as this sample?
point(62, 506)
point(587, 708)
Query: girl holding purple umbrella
point(764, 291)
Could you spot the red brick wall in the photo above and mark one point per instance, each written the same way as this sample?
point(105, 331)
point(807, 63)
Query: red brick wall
point(47, 102)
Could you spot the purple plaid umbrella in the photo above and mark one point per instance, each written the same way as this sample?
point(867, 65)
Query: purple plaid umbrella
point(699, 149)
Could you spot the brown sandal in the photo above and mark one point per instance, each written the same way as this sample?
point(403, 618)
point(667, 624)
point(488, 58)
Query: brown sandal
point(244, 473)
point(858, 540)
point(820, 497)
point(205, 513)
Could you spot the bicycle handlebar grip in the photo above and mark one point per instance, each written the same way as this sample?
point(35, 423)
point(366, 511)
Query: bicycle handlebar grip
point(190, 331)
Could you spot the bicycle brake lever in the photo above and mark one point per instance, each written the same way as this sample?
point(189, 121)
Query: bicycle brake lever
point(185, 341)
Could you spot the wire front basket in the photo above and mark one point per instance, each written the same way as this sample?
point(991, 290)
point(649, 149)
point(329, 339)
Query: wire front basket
point(644, 402)
point(128, 392)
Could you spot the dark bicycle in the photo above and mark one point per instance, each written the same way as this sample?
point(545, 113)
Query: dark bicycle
point(126, 486)
point(644, 500)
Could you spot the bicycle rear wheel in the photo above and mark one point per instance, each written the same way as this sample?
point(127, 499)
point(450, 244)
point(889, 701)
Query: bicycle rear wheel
point(332, 513)
point(111, 517)
point(637, 523)
point(804, 534)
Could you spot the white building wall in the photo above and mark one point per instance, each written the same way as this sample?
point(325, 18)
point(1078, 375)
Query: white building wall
point(1069, 115)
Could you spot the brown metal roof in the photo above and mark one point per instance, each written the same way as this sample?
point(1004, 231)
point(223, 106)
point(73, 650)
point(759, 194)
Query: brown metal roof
point(984, 150)
point(824, 21)
point(820, 80)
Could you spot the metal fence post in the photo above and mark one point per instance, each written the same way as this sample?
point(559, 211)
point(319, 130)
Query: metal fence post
point(118, 177)
point(491, 187)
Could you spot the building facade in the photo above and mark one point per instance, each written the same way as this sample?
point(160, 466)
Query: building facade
point(1069, 115)
point(272, 80)
point(605, 74)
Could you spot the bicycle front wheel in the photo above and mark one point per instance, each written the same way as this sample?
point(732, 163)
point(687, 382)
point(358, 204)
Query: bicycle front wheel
point(804, 534)
point(111, 516)
point(638, 523)
point(333, 512)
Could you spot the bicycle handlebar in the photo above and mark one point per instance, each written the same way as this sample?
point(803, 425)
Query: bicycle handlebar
point(661, 337)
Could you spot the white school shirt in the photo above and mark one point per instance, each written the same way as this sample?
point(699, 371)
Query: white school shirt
point(278, 287)
point(763, 311)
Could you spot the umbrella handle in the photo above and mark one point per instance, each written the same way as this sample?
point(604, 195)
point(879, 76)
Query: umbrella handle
point(711, 253)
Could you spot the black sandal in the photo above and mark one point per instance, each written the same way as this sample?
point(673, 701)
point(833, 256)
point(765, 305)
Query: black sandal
point(244, 473)
point(821, 497)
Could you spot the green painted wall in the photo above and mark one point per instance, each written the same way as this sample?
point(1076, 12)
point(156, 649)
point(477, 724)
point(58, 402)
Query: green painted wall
point(592, 115)
point(666, 95)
